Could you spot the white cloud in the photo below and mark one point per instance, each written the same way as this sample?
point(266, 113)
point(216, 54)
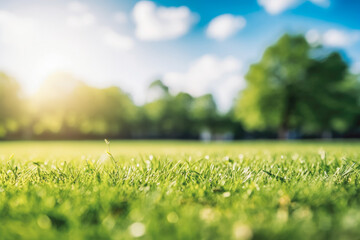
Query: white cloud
point(313, 36)
point(120, 17)
point(333, 37)
point(118, 41)
point(278, 6)
point(14, 28)
point(161, 23)
point(82, 20)
point(209, 74)
point(338, 38)
point(80, 15)
point(76, 6)
point(225, 26)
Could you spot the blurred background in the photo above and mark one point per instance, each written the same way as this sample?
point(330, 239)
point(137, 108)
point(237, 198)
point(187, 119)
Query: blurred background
point(209, 70)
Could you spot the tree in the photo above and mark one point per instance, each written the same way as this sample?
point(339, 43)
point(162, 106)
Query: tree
point(329, 100)
point(67, 107)
point(204, 112)
point(153, 111)
point(177, 119)
point(177, 116)
point(105, 112)
point(49, 106)
point(296, 86)
point(167, 115)
point(11, 105)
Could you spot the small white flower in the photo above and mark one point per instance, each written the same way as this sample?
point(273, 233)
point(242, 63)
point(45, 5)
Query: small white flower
point(137, 229)
point(226, 194)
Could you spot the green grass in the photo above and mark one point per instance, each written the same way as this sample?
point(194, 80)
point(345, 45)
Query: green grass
point(179, 190)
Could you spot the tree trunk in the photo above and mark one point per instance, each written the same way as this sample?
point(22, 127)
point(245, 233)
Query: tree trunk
point(326, 134)
point(283, 132)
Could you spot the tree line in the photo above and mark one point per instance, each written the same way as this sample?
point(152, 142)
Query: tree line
point(295, 90)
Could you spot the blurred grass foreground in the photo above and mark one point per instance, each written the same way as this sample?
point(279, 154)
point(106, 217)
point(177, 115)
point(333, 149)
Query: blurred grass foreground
point(296, 90)
point(179, 190)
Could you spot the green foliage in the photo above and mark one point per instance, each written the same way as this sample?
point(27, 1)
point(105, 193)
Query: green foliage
point(67, 106)
point(178, 190)
point(177, 116)
point(296, 86)
point(204, 111)
point(10, 105)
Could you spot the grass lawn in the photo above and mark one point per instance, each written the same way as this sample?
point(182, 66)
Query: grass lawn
point(179, 190)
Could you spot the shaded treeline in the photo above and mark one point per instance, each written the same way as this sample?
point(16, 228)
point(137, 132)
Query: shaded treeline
point(295, 90)
point(66, 108)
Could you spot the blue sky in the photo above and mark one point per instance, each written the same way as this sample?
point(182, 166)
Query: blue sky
point(194, 46)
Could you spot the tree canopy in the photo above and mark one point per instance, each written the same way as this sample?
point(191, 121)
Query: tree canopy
point(295, 86)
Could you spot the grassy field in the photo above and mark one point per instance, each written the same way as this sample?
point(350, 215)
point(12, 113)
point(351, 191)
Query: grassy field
point(179, 190)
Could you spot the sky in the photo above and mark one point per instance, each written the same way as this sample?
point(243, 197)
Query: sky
point(195, 46)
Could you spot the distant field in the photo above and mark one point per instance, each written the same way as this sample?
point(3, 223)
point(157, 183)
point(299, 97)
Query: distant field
point(179, 190)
